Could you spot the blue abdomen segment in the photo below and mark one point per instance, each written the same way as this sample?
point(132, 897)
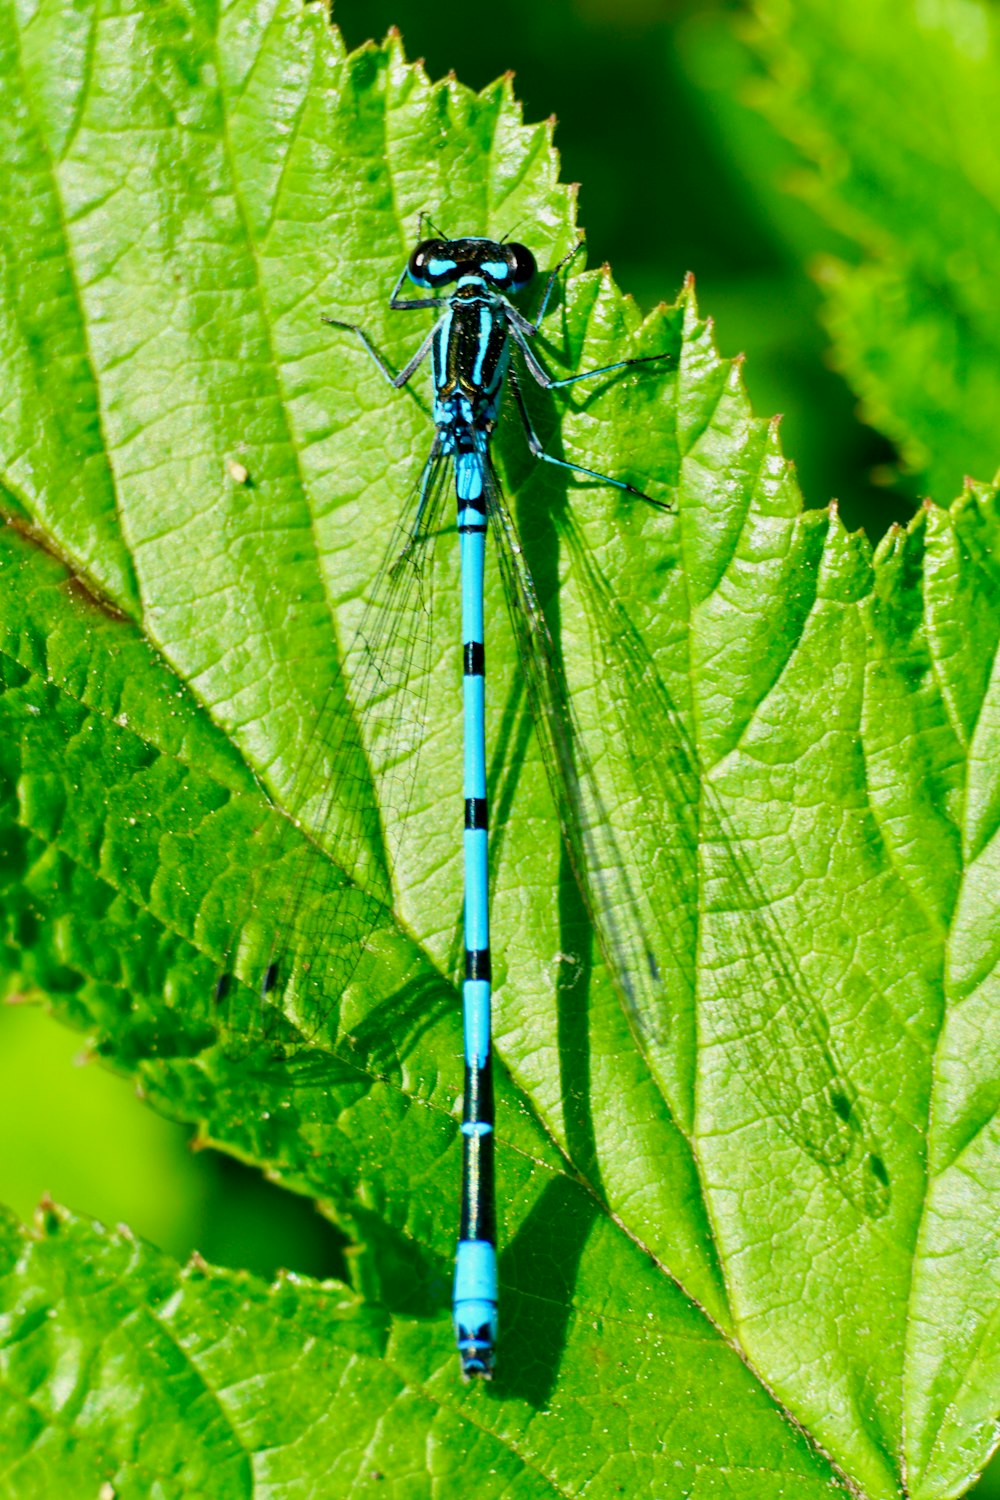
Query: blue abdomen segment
point(475, 1291)
point(469, 489)
point(475, 1305)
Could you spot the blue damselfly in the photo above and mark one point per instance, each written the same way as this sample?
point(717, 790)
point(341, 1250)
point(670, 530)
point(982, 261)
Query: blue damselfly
point(470, 347)
point(641, 884)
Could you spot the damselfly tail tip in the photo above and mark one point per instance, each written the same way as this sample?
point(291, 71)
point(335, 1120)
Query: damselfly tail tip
point(475, 1307)
point(477, 1361)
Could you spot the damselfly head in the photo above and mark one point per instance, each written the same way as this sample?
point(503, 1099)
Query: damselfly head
point(509, 267)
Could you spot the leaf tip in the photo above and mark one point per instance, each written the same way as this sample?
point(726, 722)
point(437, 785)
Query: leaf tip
point(48, 1217)
point(890, 544)
point(395, 46)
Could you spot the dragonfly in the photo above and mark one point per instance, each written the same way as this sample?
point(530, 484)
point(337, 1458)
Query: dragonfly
point(477, 341)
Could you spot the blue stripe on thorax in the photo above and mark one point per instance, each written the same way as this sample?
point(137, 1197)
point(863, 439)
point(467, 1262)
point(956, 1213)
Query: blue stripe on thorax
point(486, 326)
point(440, 349)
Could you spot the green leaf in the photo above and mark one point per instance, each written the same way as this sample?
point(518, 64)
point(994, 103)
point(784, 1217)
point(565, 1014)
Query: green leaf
point(715, 1218)
point(121, 1369)
point(894, 109)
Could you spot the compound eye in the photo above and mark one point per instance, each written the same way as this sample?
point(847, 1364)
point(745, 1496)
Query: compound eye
point(431, 264)
point(522, 266)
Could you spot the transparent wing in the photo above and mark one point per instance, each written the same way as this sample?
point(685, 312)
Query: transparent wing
point(319, 901)
point(640, 886)
point(783, 1031)
point(792, 1063)
point(650, 841)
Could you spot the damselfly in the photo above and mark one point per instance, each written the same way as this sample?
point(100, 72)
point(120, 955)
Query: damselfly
point(648, 837)
point(470, 346)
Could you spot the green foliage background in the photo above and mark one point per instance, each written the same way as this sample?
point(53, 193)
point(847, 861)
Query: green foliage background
point(679, 174)
point(673, 122)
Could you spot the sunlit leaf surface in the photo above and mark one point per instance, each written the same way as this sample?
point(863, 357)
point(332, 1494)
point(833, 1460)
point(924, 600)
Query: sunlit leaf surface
point(747, 1223)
